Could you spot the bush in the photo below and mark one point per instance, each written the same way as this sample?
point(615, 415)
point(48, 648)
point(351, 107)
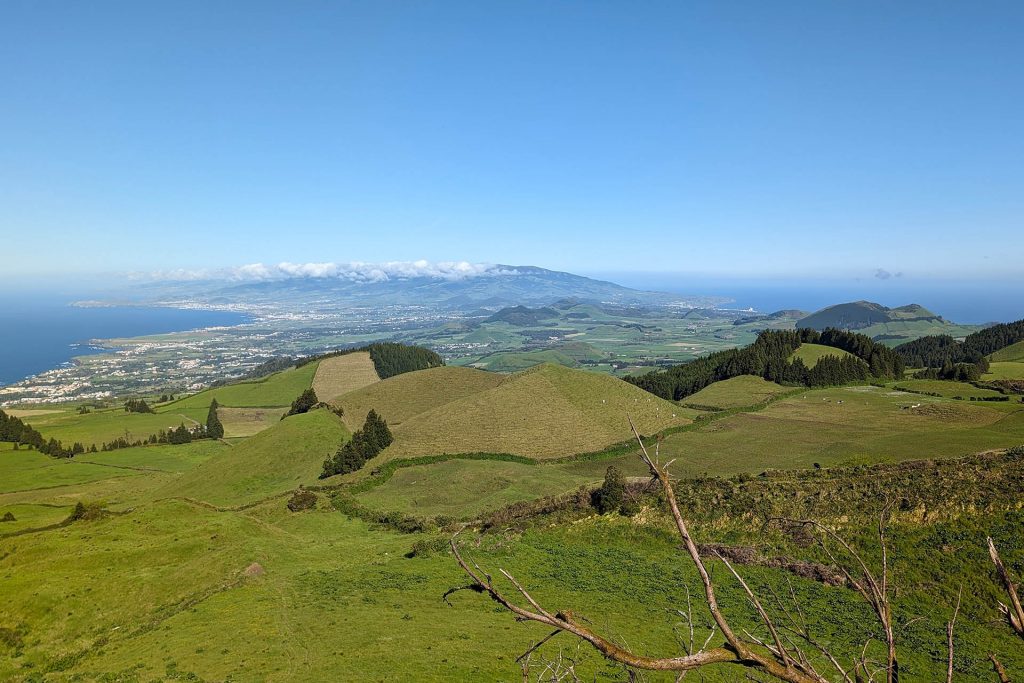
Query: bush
point(427, 547)
point(302, 500)
point(8, 517)
point(303, 404)
point(612, 492)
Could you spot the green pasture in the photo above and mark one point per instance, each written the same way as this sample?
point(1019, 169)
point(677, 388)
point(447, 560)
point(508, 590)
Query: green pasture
point(810, 354)
point(273, 462)
point(101, 426)
point(1005, 370)
point(736, 392)
point(279, 389)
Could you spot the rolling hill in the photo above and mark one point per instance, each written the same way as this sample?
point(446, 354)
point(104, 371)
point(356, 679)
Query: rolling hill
point(891, 325)
point(547, 411)
point(406, 396)
point(274, 461)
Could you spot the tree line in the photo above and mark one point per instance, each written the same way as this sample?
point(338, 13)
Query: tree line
point(943, 354)
point(389, 358)
point(769, 357)
point(365, 444)
point(16, 431)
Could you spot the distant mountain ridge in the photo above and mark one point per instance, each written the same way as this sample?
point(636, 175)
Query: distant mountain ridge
point(881, 323)
point(493, 287)
point(860, 314)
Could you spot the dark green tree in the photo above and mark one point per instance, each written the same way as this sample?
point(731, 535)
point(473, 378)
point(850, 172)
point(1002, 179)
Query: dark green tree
point(612, 492)
point(304, 403)
point(214, 428)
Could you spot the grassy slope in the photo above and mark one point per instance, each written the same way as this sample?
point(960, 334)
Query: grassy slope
point(869, 425)
point(342, 374)
point(407, 395)
point(242, 422)
point(812, 353)
point(547, 411)
point(947, 388)
point(745, 390)
point(279, 389)
point(1005, 371)
point(274, 461)
point(1011, 354)
point(101, 426)
point(461, 488)
point(335, 595)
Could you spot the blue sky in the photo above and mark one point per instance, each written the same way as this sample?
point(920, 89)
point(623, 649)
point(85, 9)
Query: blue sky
point(762, 139)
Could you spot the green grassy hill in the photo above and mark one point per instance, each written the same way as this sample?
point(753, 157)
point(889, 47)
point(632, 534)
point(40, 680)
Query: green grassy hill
point(404, 396)
point(276, 390)
point(274, 461)
point(101, 426)
point(547, 411)
point(1011, 354)
point(745, 390)
point(812, 353)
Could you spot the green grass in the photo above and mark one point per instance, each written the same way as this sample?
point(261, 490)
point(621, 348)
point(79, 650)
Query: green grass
point(25, 470)
point(335, 594)
point(1004, 370)
point(547, 411)
point(870, 425)
point(274, 461)
point(745, 390)
point(947, 388)
point(1011, 354)
point(279, 389)
point(101, 426)
point(463, 488)
point(162, 458)
point(810, 354)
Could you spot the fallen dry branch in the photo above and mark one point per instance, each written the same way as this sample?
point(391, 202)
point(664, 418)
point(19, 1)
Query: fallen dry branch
point(1013, 613)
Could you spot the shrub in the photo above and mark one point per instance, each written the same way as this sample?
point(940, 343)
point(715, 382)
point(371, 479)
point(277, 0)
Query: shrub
point(612, 492)
point(302, 500)
point(8, 517)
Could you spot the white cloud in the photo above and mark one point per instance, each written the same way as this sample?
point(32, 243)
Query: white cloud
point(356, 271)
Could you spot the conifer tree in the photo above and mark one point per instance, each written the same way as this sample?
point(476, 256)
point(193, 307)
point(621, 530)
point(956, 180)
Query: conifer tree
point(214, 428)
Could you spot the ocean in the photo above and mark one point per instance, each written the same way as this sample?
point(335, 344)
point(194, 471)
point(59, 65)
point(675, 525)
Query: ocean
point(967, 302)
point(42, 333)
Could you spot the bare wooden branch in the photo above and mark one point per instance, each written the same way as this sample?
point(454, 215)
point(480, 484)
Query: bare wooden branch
point(1013, 612)
point(949, 636)
point(1000, 671)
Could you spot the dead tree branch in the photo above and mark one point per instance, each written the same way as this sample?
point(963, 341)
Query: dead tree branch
point(1013, 612)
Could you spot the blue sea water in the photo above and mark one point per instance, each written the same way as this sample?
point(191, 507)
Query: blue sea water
point(42, 333)
point(966, 301)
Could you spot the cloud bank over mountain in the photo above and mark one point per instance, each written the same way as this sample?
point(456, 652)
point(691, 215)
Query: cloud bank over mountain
point(355, 271)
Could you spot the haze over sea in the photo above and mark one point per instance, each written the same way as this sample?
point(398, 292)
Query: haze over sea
point(961, 301)
point(39, 333)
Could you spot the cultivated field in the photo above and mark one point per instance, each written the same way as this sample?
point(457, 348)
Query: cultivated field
point(101, 426)
point(341, 374)
point(242, 422)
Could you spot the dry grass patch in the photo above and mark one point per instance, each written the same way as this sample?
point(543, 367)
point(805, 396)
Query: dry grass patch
point(341, 374)
point(547, 411)
point(407, 395)
point(242, 422)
